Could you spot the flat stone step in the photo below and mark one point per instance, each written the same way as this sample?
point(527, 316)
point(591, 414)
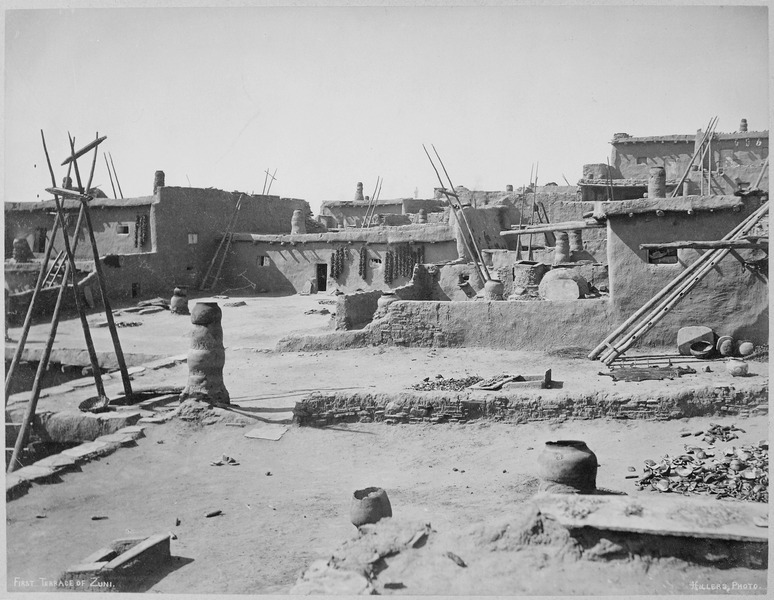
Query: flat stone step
point(162, 400)
point(58, 462)
point(659, 515)
point(122, 439)
point(89, 451)
point(15, 486)
point(37, 474)
point(136, 431)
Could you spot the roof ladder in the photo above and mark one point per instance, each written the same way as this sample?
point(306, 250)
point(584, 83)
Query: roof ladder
point(55, 271)
point(211, 279)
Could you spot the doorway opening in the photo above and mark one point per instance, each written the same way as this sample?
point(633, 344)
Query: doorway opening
point(322, 277)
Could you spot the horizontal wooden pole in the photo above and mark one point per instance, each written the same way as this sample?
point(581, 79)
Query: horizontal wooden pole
point(84, 150)
point(708, 245)
point(550, 227)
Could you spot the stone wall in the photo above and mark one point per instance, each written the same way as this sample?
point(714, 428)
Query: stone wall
point(321, 409)
point(356, 310)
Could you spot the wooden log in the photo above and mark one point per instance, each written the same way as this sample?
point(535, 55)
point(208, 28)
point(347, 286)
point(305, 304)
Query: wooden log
point(76, 155)
point(551, 227)
point(708, 245)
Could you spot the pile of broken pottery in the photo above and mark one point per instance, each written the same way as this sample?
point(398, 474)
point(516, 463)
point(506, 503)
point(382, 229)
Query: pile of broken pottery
point(731, 472)
point(448, 385)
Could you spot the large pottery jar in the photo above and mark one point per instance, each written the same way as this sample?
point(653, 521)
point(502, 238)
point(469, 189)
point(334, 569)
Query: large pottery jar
point(562, 248)
point(567, 466)
point(206, 356)
point(493, 290)
point(179, 302)
point(383, 302)
point(297, 223)
point(736, 367)
point(369, 506)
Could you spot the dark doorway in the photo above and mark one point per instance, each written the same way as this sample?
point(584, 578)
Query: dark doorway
point(322, 277)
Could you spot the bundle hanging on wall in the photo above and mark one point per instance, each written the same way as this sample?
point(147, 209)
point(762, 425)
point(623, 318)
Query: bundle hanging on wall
point(140, 230)
point(337, 262)
point(389, 266)
point(363, 265)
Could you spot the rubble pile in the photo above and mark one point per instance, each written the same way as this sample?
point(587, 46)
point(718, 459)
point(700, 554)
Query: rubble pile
point(448, 385)
point(740, 473)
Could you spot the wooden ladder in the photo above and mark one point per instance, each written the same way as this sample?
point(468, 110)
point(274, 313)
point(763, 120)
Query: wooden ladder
point(210, 279)
point(55, 271)
point(550, 237)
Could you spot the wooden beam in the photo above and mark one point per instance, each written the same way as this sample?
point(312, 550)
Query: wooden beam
point(709, 245)
point(550, 227)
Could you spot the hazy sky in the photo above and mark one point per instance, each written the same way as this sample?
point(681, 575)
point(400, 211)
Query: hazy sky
point(332, 96)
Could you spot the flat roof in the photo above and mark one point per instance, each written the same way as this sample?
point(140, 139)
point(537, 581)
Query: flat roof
point(677, 204)
point(425, 233)
point(689, 138)
point(49, 205)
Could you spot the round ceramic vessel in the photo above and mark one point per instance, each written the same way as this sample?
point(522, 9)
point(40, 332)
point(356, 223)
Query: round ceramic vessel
point(702, 349)
point(204, 313)
point(369, 505)
point(568, 464)
point(736, 367)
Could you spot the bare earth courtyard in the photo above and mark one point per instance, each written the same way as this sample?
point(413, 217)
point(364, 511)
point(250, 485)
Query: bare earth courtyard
point(286, 504)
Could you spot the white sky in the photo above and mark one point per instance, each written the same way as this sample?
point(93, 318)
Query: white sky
point(336, 95)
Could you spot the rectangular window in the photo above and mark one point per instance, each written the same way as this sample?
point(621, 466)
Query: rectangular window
point(135, 290)
point(193, 238)
point(642, 160)
point(662, 256)
point(122, 229)
point(376, 261)
point(263, 261)
point(40, 239)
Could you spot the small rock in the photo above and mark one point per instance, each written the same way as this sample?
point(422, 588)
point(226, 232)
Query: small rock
point(268, 473)
point(214, 513)
point(177, 522)
point(456, 559)
point(98, 518)
point(631, 469)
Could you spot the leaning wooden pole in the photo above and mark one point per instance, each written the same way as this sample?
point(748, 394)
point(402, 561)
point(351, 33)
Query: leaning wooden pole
point(762, 173)
point(678, 293)
point(102, 288)
point(30, 309)
point(110, 175)
point(455, 210)
point(606, 343)
point(473, 241)
point(115, 174)
point(710, 126)
point(532, 212)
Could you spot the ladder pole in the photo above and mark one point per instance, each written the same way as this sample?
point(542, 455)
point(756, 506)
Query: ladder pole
point(30, 309)
point(102, 287)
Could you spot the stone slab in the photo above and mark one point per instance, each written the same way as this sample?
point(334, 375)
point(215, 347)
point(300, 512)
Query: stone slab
point(690, 335)
point(15, 486)
point(115, 420)
point(88, 451)
point(57, 462)
point(70, 426)
point(150, 310)
point(142, 556)
point(56, 390)
point(117, 438)
point(659, 515)
point(267, 431)
point(136, 431)
point(34, 473)
point(156, 420)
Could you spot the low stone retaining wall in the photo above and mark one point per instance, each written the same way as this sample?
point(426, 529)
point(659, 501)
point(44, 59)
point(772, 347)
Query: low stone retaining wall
point(322, 409)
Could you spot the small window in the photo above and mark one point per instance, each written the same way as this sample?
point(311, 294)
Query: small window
point(376, 261)
point(135, 290)
point(122, 229)
point(40, 239)
point(263, 261)
point(193, 238)
point(642, 160)
point(662, 256)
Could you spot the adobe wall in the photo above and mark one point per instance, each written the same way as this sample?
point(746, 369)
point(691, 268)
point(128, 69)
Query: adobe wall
point(731, 299)
point(486, 225)
point(105, 222)
point(673, 156)
point(291, 267)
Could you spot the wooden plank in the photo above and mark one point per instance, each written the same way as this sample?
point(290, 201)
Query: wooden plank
point(84, 150)
point(659, 514)
point(551, 227)
point(708, 245)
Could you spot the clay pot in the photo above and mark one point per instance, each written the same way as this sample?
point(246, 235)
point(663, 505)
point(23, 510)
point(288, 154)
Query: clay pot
point(702, 349)
point(657, 182)
point(493, 290)
point(575, 237)
point(204, 313)
point(383, 302)
point(746, 348)
point(562, 249)
point(178, 304)
point(726, 345)
point(369, 506)
point(297, 223)
point(567, 466)
point(736, 367)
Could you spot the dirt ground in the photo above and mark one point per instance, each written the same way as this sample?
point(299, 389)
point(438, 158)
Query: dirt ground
point(287, 502)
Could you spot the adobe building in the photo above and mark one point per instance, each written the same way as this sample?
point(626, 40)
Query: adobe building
point(401, 211)
point(151, 244)
point(731, 163)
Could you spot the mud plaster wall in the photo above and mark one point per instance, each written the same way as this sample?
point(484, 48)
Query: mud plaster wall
point(511, 325)
point(353, 213)
point(673, 156)
point(486, 225)
point(105, 222)
point(356, 310)
point(291, 267)
point(731, 300)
